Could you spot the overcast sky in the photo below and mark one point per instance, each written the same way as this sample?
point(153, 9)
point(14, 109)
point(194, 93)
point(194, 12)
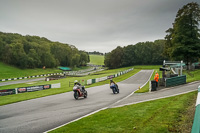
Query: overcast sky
point(91, 25)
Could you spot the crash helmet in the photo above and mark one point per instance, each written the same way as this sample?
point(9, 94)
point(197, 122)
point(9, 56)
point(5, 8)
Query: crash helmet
point(76, 81)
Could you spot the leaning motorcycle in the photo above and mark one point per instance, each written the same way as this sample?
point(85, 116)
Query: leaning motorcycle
point(114, 88)
point(78, 93)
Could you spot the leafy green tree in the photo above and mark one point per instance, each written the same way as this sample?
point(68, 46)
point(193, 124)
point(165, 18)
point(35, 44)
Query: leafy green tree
point(183, 40)
point(33, 51)
point(84, 58)
point(129, 57)
point(115, 57)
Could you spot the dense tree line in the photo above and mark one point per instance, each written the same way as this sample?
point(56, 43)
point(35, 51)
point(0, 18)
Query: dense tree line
point(36, 52)
point(96, 52)
point(183, 39)
point(143, 53)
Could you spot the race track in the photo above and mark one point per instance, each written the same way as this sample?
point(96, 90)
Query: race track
point(42, 114)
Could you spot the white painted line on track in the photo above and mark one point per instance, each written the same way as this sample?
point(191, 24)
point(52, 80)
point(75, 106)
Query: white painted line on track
point(132, 92)
point(76, 119)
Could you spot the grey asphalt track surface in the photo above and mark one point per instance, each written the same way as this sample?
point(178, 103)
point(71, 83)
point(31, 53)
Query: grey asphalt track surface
point(42, 114)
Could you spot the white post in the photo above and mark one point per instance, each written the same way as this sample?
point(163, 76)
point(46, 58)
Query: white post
point(181, 67)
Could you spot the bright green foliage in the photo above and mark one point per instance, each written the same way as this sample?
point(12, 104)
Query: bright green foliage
point(36, 52)
point(183, 40)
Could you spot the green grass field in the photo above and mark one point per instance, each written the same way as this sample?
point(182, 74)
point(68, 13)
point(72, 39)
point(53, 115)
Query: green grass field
point(96, 59)
point(7, 71)
point(174, 114)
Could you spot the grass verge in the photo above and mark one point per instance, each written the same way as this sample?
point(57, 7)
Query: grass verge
point(192, 75)
point(174, 114)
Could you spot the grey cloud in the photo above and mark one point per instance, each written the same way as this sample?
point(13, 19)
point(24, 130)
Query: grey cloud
point(90, 24)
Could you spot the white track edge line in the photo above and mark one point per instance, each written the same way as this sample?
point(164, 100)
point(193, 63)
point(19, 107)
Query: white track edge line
point(132, 92)
point(76, 119)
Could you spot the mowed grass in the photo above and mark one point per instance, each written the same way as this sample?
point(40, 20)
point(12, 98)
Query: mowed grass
point(64, 85)
point(96, 59)
point(194, 76)
point(7, 71)
point(174, 114)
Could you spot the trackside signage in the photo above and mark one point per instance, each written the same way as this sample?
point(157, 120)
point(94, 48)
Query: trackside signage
point(196, 122)
point(7, 92)
point(28, 89)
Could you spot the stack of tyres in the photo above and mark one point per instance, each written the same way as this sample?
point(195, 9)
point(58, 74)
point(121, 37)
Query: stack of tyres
point(153, 85)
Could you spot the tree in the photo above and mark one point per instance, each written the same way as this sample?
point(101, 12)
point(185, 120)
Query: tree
point(83, 58)
point(183, 40)
point(114, 59)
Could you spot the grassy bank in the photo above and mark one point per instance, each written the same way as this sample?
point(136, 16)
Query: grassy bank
point(192, 75)
point(8, 71)
point(96, 59)
point(174, 114)
point(64, 85)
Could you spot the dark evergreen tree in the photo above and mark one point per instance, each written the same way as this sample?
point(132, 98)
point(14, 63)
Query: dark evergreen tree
point(183, 40)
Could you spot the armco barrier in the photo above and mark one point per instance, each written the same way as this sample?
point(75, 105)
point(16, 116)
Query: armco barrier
point(91, 81)
point(42, 75)
point(196, 122)
point(175, 81)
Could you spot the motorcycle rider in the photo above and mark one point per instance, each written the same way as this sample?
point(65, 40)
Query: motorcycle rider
point(81, 87)
point(115, 85)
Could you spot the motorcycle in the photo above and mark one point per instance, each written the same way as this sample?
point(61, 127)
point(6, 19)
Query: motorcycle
point(114, 88)
point(78, 93)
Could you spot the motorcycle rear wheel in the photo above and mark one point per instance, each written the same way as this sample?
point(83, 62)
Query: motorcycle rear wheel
point(85, 94)
point(113, 89)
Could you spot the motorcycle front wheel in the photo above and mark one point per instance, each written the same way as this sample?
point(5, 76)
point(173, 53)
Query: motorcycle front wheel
point(76, 95)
